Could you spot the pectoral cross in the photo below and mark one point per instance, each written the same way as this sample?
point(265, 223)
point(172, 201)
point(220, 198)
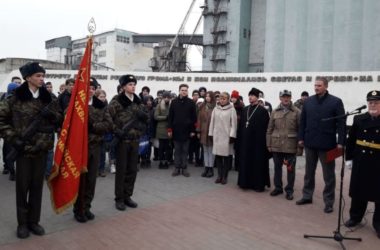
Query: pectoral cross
point(246, 124)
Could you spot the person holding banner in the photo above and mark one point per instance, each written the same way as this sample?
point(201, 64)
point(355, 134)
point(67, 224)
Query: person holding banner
point(129, 122)
point(27, 122)
point(363, 154)
point(99, 123)
point(318, 137)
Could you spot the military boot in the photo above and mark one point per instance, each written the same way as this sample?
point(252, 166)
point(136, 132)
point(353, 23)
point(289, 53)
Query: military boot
point(176, 172)
point(210, 172)
point(205, 172)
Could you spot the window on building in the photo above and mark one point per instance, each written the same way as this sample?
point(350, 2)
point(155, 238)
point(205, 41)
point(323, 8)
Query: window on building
point(102, 53)
point(122, 39)
point(102, 40)
point(79, 45)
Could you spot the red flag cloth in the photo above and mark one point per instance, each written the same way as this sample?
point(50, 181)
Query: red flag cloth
point(71, 153)
point(333, 154)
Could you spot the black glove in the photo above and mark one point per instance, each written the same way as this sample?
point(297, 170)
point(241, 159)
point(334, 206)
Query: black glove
point(18, 144)
point(232, 140)
point(119, 133)
point(141, 115)
point(47, 113)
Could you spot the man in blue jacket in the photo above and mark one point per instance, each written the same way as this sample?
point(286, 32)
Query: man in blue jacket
point(319, 136)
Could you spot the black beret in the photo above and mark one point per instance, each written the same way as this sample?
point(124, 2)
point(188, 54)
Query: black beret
point(254, 91)
point(125, 79)
point(30, 69)
point(373, 95)
point(94, 82)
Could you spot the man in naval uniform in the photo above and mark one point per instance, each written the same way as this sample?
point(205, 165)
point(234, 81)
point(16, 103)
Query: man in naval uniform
point(363, 153)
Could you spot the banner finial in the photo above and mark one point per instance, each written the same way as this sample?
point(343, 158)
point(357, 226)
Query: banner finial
point(91, 26)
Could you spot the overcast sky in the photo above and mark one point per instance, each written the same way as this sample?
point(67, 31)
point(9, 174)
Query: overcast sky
point(25, 25)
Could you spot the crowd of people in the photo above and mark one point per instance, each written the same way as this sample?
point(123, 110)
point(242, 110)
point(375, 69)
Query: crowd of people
point(210, 129)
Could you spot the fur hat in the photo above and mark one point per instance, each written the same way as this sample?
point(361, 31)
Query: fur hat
point(31, 68)
point(125, 79)
point(255, 92)
point(166, 94)
point(235, 94)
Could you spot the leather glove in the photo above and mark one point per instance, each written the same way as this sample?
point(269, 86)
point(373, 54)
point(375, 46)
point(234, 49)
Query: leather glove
point(348, 164)
point(18, 144)
point(141, 115)
point(119, 133)
point(47, 113)
point(232, 140)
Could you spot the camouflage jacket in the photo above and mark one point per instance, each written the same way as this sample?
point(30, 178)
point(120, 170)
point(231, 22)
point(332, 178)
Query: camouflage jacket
point(20, 110)
point(99, 121)
point(123, 110)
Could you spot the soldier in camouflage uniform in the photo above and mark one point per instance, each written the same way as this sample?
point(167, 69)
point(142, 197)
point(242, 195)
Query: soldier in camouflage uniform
point(99, 123)
point(30, 101)
point(130, 120)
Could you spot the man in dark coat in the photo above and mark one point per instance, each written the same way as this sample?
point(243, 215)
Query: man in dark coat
point(64, 97)
point(363, 153)
point(253, 152)
point(319, 136)
point(181, 126)
point(129, 123)
point(30, 104)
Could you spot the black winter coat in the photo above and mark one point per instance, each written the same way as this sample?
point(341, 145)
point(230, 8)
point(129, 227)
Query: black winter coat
point(314, 131)
point(182, 118)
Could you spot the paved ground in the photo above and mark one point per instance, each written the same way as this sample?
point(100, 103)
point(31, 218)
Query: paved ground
point(188, 213)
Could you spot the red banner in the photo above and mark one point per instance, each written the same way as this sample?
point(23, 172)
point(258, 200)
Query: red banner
point(71, 153)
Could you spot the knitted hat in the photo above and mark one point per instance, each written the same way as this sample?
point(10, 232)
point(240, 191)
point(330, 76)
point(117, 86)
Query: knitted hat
point(235, 94)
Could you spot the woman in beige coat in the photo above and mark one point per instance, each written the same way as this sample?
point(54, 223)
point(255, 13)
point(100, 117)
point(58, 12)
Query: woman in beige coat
point(223, 127)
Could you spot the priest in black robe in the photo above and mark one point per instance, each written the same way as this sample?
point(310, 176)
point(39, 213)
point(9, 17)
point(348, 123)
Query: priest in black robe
point(253, 152)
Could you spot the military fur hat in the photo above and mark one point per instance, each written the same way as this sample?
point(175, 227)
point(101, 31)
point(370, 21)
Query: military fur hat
point(30, 69)
point(125, 79)
point(373, 95)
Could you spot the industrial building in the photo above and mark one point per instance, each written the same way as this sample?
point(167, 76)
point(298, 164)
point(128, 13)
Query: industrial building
point(291, 35)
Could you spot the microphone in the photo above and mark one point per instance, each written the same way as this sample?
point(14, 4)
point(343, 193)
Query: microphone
point(360, 108)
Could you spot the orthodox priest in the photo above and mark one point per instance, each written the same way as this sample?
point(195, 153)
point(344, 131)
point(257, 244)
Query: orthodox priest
point(253, 153)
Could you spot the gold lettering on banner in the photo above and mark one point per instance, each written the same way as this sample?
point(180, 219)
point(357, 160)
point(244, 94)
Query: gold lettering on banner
point(82, 96)
point(79, 110)
point(71, 165)
point(60, 144)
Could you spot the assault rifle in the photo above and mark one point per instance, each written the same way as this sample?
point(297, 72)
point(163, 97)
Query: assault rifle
point(125, 129)
point(27, 133)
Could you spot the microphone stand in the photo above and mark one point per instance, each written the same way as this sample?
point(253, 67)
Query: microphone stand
point(337, 235)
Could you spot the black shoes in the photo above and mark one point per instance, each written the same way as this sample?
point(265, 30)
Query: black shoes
point(304, 201)
point(12, 177)
point(36, 229)
point(351, 223)
point(176, 172)
point(289, 196)
point(185, 172)
point(328, 209)
point(130, 203)
point(210, 172)
point(120, 206)
point(81, 218)
point(205, 172)
point(5, 171)
point(89, 215)
point(22, 232)
point(276, 192)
